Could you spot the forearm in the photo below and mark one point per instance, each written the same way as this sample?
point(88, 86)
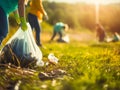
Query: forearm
point(21, 8)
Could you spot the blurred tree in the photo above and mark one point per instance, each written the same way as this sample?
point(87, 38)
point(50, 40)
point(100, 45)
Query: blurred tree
point(82, 15)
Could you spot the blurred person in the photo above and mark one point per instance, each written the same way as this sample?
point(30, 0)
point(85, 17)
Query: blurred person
point(100, 32)
point(6, 7)
point(59, 28)
point(115, 38)
point(35, 16)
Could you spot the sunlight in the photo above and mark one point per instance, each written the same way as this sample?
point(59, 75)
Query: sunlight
point(97, 11)
point(97, 1)
point(87, 1)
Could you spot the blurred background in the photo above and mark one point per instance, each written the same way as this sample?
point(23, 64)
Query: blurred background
point(81, 15)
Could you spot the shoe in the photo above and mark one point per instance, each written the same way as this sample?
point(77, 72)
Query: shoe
point(39, 44)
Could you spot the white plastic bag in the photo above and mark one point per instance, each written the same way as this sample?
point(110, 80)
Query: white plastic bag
point(66, 38)
point(24, 45)
point(52, 58)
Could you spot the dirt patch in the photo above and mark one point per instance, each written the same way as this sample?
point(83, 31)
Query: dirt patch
point(82, 36)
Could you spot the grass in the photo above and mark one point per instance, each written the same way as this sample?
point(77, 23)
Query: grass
point(89, 66)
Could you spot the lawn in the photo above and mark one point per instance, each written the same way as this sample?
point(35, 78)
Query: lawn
point(88, 65)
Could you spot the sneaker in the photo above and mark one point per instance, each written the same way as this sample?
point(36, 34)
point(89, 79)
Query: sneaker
point(39, 44)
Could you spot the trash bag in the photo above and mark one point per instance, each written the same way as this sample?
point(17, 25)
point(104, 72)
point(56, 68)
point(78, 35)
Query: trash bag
point(22, 50)
point(52, 59)
point(66, 38)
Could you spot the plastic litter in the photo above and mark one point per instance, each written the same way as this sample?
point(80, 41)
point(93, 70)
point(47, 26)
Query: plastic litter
point(66, 38)
point(52, 58)
point(23, 46)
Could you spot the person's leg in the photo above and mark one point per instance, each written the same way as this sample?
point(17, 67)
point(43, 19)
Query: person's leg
point(38, 31)
point(3, 25)
point(60, 35)
point(54, 34)
point(32, 19)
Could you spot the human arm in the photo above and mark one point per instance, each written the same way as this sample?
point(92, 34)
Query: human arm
point(21, 10)
point(40, 7)
point(66, 27)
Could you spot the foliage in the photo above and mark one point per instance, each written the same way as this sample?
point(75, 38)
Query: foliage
point(83, 15)
point(80, 15)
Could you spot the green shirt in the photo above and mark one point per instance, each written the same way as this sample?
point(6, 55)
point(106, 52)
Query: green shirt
point(9, 5)
point(58, 27)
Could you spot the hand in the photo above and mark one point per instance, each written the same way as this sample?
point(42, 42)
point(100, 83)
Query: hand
point(46, 17)
point(17, 18)
point(23, 24)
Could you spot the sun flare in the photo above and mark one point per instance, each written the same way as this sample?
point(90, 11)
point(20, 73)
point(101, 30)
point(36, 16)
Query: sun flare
point(97, 11)
point(96, 1)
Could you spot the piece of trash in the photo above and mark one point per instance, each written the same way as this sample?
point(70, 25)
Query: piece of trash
point(66, 38)
point(40, 63)
point(52, 58)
